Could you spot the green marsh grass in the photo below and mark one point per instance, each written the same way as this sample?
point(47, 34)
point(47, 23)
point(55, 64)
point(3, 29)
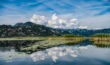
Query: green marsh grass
point(46, 42)
point(42, 38)
point(49, 43)
point(101, 40)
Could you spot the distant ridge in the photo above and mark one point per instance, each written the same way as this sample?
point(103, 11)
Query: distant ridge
point(32, 29)
point(24, 24)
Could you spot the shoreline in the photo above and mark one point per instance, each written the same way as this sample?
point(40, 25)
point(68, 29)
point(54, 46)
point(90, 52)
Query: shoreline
point(40, 38)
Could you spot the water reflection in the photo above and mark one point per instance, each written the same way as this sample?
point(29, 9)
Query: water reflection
point(84, 53)
point(8, 54)
point(33, 46)
point(102, 44)
point(29, 47)
point(54, 53)
point(57, 52)
point(16, 45)
point(42, 45)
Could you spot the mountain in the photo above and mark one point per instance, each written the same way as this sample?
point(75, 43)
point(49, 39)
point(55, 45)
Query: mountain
point(25, 24)
point(82, 32)
point(25, 29)
point(85, 32)
point(32, 29)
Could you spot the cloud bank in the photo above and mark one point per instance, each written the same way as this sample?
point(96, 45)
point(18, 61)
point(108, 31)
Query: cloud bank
point(55, 21)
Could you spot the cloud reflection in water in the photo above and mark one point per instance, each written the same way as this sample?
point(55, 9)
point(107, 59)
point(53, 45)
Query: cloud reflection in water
point(56, 53)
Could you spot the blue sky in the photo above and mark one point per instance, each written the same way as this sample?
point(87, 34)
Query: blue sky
point(89, 13)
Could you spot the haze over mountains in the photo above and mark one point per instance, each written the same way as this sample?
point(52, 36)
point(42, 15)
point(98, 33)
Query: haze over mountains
point(32, 29)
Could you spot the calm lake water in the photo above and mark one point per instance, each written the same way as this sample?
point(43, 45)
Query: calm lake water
point(85, 53)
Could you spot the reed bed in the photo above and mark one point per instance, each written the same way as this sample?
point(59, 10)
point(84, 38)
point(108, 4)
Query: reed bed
point(101, 40)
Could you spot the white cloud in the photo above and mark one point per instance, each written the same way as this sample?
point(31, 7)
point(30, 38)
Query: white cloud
point(83, 27)
point(55, 21)
point(67, 21)
point(38, 19)
point(54, 17)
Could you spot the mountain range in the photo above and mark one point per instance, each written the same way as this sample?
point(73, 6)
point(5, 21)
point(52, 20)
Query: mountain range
point(32, 29)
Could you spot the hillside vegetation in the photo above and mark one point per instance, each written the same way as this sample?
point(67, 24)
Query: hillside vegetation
point(25, 29)
point(32, 30)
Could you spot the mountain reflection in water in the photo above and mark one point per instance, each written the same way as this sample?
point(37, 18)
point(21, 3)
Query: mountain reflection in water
point(83, 53)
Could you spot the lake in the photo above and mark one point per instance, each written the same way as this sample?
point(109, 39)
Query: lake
point(83, 53)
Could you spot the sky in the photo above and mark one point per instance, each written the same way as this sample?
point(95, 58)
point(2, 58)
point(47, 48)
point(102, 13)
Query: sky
point(67, 14)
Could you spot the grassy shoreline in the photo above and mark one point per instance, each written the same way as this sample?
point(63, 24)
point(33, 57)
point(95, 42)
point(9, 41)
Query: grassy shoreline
point(101, 40)
point(100, 37)
point(40, 38)
point(46, 42)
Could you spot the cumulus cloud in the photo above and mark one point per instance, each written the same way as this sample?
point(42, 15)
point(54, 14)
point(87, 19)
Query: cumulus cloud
point(38, 19)
point(68, 22)
point(54, 17)
point(55, 21)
